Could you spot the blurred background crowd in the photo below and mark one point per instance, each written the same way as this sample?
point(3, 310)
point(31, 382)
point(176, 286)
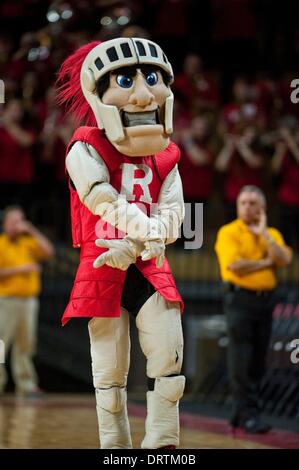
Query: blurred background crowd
point(234, 121)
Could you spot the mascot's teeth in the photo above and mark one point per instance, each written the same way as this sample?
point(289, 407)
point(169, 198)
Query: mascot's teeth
point(139, 119)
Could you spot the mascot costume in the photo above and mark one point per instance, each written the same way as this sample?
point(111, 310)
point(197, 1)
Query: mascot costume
point(126, 205)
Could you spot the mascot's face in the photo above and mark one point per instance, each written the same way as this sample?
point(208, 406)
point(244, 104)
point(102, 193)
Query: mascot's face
point(126, 83)
point(139, 94)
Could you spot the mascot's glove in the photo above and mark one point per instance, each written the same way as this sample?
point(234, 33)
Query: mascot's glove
point(154, 247)
point(153, 243)
point(120, 253)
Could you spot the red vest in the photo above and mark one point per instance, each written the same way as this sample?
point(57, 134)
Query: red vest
point(97, 292)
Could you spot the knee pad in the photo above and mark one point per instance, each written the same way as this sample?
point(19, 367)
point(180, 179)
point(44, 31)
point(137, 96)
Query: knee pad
point(111, 399)
point(170, 388)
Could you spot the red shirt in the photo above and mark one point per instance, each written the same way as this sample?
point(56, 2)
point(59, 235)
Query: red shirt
point(16, 161)
point(238, 175)
point(288, 191)
point(197, 180)
point(201, 87)
point(236, 116)
point(265, 91)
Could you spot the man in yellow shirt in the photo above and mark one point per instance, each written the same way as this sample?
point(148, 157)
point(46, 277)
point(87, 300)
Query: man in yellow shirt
point(22, 248)
point(249, 253)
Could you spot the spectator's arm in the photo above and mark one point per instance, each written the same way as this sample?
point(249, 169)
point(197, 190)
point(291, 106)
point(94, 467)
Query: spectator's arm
point(224, 157)
point(292, 145)
point(45, 247)
point(277, 159)
point(290, 142)
point(23, 269)
point(197, 155)
point(6, 272)
point(253, 159)
point(280, 254)
point(242, 267)
point(23, 137)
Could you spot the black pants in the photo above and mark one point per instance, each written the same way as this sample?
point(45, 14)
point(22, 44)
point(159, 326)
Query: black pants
point(289, 225)
point(137, 290)
point(249, 320)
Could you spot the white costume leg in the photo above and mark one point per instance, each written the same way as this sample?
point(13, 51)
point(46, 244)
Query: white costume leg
point(161, 340)
point(110, 353)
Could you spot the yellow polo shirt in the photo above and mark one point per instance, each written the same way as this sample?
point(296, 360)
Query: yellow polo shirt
point(23, 250)
point(235, 241)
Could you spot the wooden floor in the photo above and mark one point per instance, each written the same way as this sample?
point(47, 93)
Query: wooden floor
point(68, 421)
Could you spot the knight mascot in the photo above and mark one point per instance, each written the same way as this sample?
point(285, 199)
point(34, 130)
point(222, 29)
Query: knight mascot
point(126, 205)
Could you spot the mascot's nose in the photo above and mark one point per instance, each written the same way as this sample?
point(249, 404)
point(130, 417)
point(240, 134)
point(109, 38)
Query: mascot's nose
point(141, 95)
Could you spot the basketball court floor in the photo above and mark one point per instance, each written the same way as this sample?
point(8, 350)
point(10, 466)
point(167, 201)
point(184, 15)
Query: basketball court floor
point(69, 422)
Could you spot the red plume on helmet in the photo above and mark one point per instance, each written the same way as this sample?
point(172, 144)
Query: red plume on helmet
point(69, 87)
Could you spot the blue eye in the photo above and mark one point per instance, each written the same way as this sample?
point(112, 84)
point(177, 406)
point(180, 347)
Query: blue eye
point(151, 79)
point(124, 81)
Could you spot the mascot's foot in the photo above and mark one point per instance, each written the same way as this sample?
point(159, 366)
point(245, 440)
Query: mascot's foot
point(168, 447)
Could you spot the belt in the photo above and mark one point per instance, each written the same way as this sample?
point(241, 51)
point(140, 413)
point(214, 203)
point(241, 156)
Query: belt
point(230, 287)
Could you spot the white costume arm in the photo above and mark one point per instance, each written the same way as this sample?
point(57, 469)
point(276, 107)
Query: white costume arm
point(171, 208)
point(87, 171)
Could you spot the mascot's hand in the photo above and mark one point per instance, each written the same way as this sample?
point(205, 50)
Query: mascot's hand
point(120, 254)
point(154, 248)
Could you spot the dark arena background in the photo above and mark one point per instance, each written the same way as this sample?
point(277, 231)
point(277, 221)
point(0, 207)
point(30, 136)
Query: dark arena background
point(236, 63)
